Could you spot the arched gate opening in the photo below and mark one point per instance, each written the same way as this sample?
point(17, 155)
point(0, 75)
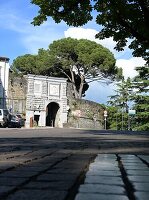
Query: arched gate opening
point(52, 114)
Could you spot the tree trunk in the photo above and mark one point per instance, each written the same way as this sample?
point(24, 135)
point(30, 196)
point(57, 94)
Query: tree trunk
point(76, 94)
point(81, 86)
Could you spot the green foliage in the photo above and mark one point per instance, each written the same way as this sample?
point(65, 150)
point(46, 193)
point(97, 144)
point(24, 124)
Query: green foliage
point(124, 19)
point(89, 58)
point(112, 118)
point(123, 94)
point(81, 61)
point(25, 64)
point(63, 10)
point(141, 99)
point(33, 64)
point(117, 119)
point(120, 101)
point(137, 91)
point(120, 19)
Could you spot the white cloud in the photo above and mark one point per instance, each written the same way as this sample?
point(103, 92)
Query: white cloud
point(130, 65)
point(80, 33)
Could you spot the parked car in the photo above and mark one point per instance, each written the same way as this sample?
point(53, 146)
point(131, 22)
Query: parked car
point(16, 121)
point(21, 119)
point(4, 117)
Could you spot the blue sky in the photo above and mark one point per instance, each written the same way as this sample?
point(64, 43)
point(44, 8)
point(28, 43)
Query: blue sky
point(19, 37)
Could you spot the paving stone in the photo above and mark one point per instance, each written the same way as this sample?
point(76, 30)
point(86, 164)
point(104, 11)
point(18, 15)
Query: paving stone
point(128, 156)
point(127, 163)
point(60, 155)
point(54, 177)
point(108, 180)
point(136, 167)
point(134, 160)
point(63, 171)
point(105, 157)
point(143, 187)
point(42, 153)
point(145, 157)
point(138, 172)
point(105, 161)
point(38, 194)
point(103, 173)
point(71, 165)
point(11, 181)
point(17, 173)
point(9, 155)
point(100, 188)
point(39, 164)
point(139, 179)
point(33, 169)
point(142, 195)
point(46, 161)
point(53, 185)
point(4, 165)
point(88, 196)
point(75, 162)
point(21, 160)
point(103, 166)
point(5, 189)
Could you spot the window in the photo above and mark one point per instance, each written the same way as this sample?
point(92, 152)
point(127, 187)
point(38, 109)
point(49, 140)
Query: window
point(37, 88)
point(6, 112)
point(54, 89)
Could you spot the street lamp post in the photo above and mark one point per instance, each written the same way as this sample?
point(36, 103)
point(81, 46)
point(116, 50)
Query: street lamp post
point(105, 114)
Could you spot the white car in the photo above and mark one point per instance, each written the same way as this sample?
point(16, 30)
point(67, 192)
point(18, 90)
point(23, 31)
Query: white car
point(4, 115)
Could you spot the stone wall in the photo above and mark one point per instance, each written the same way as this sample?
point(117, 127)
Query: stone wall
point(85, 114)
point(16, 99)
point(90, 113)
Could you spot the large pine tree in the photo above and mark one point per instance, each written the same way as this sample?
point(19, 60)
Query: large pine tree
point(141, 99)
point(119, 118)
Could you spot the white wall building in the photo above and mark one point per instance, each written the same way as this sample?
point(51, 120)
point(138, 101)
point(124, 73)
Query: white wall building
point(4, 75)
point(46, 102)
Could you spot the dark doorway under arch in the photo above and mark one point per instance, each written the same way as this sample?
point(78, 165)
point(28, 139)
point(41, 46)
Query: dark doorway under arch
point(52, 109)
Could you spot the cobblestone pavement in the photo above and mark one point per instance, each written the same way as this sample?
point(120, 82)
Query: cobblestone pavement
point(68, 164)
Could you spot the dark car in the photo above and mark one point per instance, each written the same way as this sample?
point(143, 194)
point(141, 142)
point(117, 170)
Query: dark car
point(16, 121)
point(21, 119)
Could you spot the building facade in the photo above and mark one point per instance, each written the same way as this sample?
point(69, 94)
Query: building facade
point(4, 75)
point(46, 101)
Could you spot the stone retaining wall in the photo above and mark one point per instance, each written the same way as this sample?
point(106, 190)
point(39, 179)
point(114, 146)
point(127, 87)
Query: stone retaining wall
point(16, 100)
point(85, 114)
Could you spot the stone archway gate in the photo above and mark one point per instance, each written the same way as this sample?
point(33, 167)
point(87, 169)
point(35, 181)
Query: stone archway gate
point(41, 91)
